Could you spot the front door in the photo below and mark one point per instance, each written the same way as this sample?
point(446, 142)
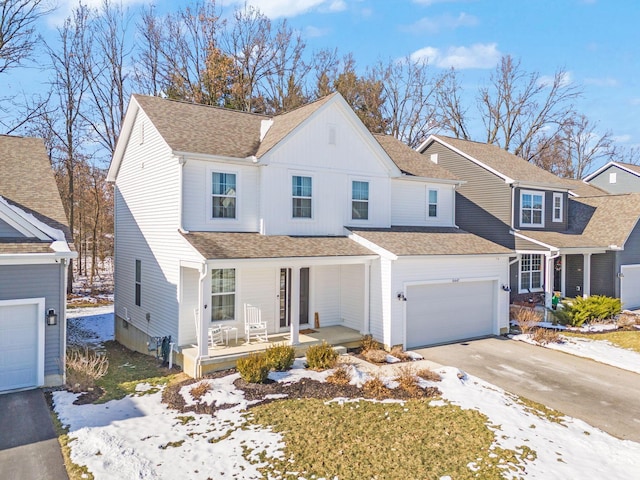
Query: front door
point(285, 297)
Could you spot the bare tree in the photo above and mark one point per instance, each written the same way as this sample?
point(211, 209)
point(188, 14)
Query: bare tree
point(409, 94)
point(147, 62)
point(325, 64)
point(17, 30)
point(452, 115)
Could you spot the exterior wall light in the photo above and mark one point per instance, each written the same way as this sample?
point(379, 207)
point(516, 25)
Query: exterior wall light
point(52, 317)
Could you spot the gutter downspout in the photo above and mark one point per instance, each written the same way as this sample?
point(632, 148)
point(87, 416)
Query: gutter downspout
point(63, 318)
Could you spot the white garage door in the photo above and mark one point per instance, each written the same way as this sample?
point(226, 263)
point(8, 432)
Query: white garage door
point(21, 345)
point(446, 312)
point(630, 286)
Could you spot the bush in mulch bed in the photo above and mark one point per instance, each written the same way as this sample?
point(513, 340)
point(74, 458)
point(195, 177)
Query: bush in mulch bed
point(305, 388)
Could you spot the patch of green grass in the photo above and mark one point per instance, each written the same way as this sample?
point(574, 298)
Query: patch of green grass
point(621, 338)
point(541, 411)
point(127, 369)
point(392, 441)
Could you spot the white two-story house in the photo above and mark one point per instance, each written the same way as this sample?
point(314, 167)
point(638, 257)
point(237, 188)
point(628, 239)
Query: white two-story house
point(306, 216)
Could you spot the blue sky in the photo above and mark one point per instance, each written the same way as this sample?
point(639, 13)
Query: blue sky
point(595, 41)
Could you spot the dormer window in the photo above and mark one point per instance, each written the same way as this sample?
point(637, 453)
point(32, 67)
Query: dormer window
point(531, 209)
point(557, 207)
point(223, 195)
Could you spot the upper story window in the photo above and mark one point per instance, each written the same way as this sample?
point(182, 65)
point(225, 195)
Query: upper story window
point(223, 294)
point(224, 195)
point(359, 200)
point(301, 196)
point(138, 283)
point(531, 209)
point(557, 207)
point(433, 204)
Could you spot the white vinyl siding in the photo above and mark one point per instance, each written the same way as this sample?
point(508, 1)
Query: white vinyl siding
point(410, 203)
point(531, 273)
point(531, 208)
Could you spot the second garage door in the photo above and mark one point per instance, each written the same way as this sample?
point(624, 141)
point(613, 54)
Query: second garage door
point(446, 312)
point(21, 348)
point(630, 286)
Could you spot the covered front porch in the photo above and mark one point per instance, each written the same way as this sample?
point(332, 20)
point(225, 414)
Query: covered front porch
point(225, 356)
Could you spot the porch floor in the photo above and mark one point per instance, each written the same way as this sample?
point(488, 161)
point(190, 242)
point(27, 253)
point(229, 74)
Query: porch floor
point(225, 356)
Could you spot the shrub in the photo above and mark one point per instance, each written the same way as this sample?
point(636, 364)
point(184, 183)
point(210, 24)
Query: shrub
point(375, 356)
point(340, 376)
point(280, 356)
point(375, 388)
point(545, 335)
point(254, 368)
point(627, 319)
point(526, 318)
point(321, 357)
point(577, 311)
point(84, 367)
point(428, 374)
point(200, 390)
point(407, 380)
point(369, 343)
point(399, 353)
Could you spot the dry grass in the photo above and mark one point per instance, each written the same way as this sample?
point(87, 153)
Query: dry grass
point(399, 353)
point(200, 390)
point(84, 368)
point(628, 320)
point(375, 388)
point(629, 339)
point(340, 376)
point(367, 440)
point(408, 381)
point(544, 336)
point(375, 356)
point(526, 318)
point(428, 374)
point(369, 343)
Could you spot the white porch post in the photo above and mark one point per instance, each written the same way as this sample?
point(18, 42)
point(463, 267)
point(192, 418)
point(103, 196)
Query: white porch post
point(366, 327)
point(586, 275)
point(203, 311)
point(563, 276)
point(295, 306)
point(548, 280)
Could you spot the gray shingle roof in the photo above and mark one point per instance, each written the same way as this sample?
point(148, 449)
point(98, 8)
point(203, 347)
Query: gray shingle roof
point(411, 162)
point(226, 245)
point(404, 241)
point(583, 189)
point(629, 166)
point(504, 162)
point(27, 181)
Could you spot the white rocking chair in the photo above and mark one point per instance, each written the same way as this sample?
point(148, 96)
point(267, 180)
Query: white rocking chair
point(215, 336)
point(253, 324)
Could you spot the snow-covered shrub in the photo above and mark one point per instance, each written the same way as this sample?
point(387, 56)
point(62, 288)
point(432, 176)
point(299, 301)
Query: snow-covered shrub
point(281, 356)
point(375, 356)
point(254, 368)
point(321, 357)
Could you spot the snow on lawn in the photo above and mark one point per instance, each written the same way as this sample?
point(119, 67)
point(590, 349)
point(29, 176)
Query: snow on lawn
point(601, 351)
point(139, 437)
point(90, 325)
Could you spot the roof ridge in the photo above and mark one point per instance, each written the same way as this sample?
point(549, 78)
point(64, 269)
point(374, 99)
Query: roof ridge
point(204, 105)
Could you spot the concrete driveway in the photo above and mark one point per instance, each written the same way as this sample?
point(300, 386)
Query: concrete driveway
point(603, 396)
point(29, 447)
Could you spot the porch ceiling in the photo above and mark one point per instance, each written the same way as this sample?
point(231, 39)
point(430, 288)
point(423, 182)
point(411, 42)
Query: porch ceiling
point(233, 245)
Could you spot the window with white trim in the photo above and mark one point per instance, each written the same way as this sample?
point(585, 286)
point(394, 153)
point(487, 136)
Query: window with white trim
point(359, 200)
point(223, 294)
point(138, 283)
point(301, 196)
point(531, 208)
point(432, 207)
point(530, 272)
point(557, 207)
point(223, 192)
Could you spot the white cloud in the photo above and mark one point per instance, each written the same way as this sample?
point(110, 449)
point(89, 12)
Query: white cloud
point(547, 80)
point(65, 7)
point(442, 22)
point(428, 3)
point(602, 82)
point(289, 8)
point(315, 32)
point(479, 55)
point(622, 138)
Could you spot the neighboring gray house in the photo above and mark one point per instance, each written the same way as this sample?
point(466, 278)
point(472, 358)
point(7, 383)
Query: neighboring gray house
point(616, 177)
point(35, 249)
point(578, 245)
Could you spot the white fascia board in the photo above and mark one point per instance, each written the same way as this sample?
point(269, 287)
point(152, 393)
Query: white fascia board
point(604, 167)
point(460, 256)
point(472, 159)
point(35, 258)
point(386, 254)
point(123, 139)
point(291, 261)
point(413, 178)
point(252, 160)
point(17, 222)
point(542, 186)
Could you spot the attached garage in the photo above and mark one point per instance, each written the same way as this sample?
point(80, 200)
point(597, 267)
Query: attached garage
point(446, 312)
point(630, 286)
point(21, 344)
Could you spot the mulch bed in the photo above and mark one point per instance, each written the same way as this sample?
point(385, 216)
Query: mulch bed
point(305, 388)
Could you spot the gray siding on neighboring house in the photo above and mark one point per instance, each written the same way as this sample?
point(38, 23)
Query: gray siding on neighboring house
point(7, 231)
point(625, 182)
point(35, 281)
point(629, 256)
point(574, 275)
point(549, 224)
point(483, 204)
point(603, 276)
